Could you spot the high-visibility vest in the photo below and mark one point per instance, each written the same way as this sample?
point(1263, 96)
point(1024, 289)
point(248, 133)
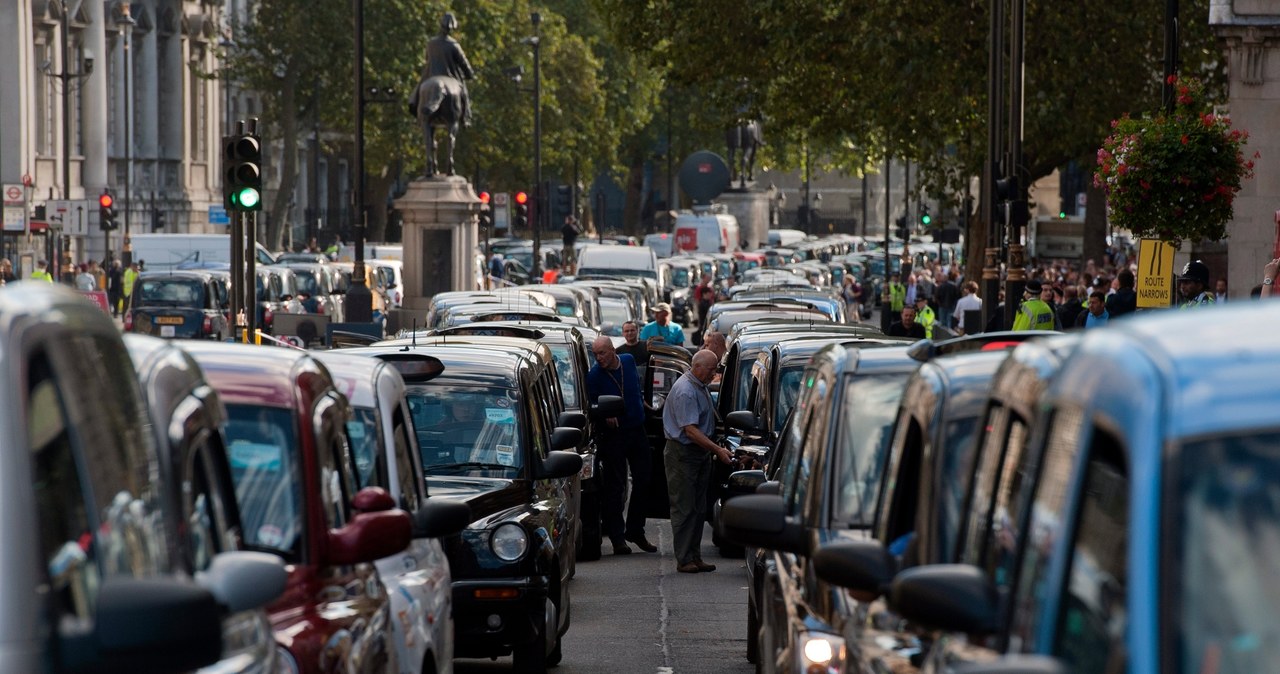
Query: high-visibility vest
point(129, 277)
point(39, 275)
point(897, 296)
point(1034, 314)
point(1204, 299)
point(926, 319)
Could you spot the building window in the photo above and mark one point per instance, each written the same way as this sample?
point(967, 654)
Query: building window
point(199, 105)
point(77, 99)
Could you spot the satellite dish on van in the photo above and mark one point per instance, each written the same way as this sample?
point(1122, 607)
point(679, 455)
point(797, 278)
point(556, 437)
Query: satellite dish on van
point(704, 176)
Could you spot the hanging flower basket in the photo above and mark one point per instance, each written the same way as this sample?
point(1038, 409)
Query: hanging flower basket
point(1174, 176)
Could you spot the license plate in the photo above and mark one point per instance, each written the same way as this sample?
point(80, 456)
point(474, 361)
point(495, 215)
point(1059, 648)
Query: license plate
point(167, 331)
point(168, 320)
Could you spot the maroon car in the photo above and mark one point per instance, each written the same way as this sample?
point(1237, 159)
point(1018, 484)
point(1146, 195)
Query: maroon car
point(292, 467)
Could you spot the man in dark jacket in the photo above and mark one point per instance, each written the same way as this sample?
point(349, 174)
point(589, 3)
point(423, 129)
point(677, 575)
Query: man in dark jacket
point(1070, 308)
point(1125, 299)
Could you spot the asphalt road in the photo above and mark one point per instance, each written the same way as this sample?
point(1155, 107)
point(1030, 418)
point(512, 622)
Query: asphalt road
point(636, 613)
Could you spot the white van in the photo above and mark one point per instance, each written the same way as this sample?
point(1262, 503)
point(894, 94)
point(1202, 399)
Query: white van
point(785, 238)
point(628, 261)
point(165, 252)
point(706, 233)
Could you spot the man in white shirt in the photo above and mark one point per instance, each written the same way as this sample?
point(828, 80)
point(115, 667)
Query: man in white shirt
point(969, 301)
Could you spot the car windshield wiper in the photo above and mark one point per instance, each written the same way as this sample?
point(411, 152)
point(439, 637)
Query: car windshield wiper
point(470, 465)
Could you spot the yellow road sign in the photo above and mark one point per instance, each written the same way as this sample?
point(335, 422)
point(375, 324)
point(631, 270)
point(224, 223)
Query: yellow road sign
point(1155, 274)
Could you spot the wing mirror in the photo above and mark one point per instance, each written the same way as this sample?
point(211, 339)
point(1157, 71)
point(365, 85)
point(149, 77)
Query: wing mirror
point(742, 420)
point(440, 517)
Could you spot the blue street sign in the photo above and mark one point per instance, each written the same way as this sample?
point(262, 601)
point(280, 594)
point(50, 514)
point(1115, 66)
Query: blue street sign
point(218, 216)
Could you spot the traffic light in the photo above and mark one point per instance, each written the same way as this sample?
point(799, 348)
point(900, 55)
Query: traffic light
point(564, 199)
point(486, 213)
point(107, 211)
point(157, 221)
point(925, 218)
point(242, 172)
point(522, 210)
point(900, 230)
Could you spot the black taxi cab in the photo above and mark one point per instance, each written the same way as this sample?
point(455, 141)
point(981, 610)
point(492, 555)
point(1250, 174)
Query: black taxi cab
point(486, 414)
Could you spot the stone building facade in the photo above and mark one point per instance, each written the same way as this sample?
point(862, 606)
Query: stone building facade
point(157, 59)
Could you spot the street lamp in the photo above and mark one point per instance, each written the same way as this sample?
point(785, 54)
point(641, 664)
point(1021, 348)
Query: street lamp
point(127, 23)
point(359, 301)
point(540, 198)
point(66, 77)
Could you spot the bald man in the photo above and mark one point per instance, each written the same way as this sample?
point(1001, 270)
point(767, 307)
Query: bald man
point(689, 423)
point(621, 442)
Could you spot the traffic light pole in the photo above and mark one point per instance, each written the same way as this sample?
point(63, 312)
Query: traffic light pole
point(536, 19)
point(359, 301)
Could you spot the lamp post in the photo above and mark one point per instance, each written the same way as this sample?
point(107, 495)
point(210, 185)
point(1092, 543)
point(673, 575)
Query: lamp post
point(126, 21)
point(539, 204)
point(66, 77)
point(359, 301)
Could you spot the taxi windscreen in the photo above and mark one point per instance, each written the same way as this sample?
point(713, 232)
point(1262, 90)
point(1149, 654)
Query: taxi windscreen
point(468, 430)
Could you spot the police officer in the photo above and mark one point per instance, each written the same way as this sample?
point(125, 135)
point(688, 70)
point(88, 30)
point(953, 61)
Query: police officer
point(897, 297)
point(1035, 313)
point(41, 272)
point(924, 315)
point(1193, 284)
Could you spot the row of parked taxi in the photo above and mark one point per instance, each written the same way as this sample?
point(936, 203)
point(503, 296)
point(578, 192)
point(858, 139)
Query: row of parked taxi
point(1011, 502)
point(240, 508)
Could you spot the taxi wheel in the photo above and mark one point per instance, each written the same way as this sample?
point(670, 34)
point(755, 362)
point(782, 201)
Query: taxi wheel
point(753, 632)
point(532, 657)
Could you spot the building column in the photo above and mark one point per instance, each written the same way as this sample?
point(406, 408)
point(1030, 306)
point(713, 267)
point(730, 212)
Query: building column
point(1249, 32)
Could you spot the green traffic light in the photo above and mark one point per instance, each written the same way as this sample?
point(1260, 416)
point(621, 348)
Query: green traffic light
point(925, 219)
point(246, 198)
point(1062, 215)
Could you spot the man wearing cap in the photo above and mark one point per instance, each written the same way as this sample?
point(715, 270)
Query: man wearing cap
point(662, 328)
point(1034, 313)
point(1193, 284)
point(924, 315)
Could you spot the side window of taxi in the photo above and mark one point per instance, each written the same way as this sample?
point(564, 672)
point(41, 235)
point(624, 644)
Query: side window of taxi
point(1093, 623)
point(539, 431)
point(408, 472)
point(332, 455)
point(65, 527)
point(204, 508)
point(815, 440)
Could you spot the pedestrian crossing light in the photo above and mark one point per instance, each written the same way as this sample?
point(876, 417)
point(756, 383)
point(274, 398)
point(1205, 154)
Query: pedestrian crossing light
point(242, 172)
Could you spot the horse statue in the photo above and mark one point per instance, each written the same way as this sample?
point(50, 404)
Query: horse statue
point(439, 103)
point(743, 140)
point(441, 99)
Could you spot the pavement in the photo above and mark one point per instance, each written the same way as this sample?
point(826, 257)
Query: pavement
point(636, 613)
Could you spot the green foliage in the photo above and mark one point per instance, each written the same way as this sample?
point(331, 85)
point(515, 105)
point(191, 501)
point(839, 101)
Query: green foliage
point(1174, 176)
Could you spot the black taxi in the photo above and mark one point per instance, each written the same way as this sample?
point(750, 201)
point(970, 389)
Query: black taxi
point(486, 414)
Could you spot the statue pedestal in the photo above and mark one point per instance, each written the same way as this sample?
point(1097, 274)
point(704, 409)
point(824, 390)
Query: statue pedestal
point(751, 207)
point(440, 239)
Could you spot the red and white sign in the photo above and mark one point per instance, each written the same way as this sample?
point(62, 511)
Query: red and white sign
point(686, 239)
point(13, 195)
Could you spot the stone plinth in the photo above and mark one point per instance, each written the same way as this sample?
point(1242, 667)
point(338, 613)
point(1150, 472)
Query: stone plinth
point(440, 238)
point(751, 208)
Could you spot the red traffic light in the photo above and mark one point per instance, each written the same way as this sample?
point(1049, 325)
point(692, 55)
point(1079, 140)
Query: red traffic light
point(106, 201)
point(484, 197)
point(522, 198)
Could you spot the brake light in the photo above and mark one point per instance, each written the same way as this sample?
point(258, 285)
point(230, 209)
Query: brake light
point(207, 328)
point(128, 321)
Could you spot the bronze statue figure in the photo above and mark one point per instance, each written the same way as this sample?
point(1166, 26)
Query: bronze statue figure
point(746, 138)
point(441, 100)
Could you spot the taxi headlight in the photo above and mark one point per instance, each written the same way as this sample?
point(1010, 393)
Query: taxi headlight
point(509, 542)
point(821, 653)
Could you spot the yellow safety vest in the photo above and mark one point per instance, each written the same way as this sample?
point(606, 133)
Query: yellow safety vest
point(897, 296)
point(926, 319)
point(1034, 314)
point(38, 275)
point(129, 277)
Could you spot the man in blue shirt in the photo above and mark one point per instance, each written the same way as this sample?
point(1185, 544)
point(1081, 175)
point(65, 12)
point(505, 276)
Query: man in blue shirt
point(689, 423)
point(621, 441)
point(662, 328)
point(1097, 315)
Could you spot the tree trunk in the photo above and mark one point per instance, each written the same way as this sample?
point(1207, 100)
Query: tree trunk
point(1095, 225)
point(975, 246)
point(380, 188)
point(635, 199)
point(273, 238)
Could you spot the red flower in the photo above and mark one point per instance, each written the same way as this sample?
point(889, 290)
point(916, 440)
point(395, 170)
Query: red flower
point(1171, 79)
point(1185, 139)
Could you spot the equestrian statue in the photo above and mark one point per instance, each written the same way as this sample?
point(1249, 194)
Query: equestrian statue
point(743, 140)
point(441, 100)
